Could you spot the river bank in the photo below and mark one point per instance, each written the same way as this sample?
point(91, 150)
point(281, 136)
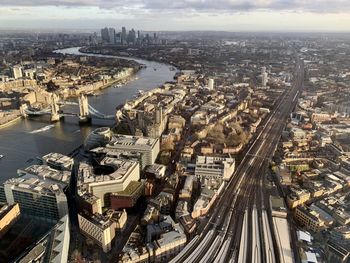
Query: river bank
point(9, 122)
point(19, 144)
point(96, 87)
point(107, 51)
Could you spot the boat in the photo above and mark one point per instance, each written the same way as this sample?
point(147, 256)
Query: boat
point(1, 156)
point(48, 127)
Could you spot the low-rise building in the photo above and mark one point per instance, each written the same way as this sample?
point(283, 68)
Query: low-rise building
point(149, 146)
point(341, 233)
point(176, 121)
point(204, 202)
point(163, 202)
point(128, 197)
point(342, 216)
point(99, 228)
point(297, 197)
point(58, 161)
point(155, 170)
point(213, 170)
point(186, 191)
point(120, 154)
point(309, 218)
point(121, 173)
point(88, 203)
point(164, 240)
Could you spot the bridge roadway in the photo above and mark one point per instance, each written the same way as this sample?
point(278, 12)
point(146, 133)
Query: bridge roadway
point(92, 111)
point(244, 195)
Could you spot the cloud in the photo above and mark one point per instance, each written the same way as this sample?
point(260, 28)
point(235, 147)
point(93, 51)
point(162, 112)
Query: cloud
point(318, 6)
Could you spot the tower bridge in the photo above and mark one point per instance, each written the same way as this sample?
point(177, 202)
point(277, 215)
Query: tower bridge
point(86, 111)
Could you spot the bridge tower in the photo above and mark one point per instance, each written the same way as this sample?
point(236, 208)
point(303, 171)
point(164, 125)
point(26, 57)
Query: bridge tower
point(22, 110)
point(55, 108)
point(84, 114)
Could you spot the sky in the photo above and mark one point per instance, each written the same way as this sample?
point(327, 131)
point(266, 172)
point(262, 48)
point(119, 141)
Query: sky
point(221, 15)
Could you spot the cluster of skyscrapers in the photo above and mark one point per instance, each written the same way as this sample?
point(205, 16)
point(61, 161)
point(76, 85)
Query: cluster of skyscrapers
point(110, 36)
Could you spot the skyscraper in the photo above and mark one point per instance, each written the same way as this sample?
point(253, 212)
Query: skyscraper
point(123, 35)
point(118, 38)
point(111, 35)
point(132, 36)
point(264, 76)
point(105, 35)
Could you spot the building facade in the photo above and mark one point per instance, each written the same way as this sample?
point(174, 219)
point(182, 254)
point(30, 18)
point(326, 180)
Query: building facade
point(149, 146)
point(37, 198)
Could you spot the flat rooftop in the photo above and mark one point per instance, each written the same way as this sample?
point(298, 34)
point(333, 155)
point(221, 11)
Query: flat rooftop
point(46, 172)
point(100, 220)
point(89, 198)
point(35, 185)
point(133, 187)
point(210, 160)
point(58, 158)
point(277, 203)
point(283, 239)
point(121, 168)
point(110, 152)
point(131, 140)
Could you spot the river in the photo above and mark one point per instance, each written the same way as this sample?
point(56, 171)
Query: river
point(28, 138)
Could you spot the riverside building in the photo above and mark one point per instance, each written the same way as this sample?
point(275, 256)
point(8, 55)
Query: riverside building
point(103, 184)
point(36, 197)
point(148, 146)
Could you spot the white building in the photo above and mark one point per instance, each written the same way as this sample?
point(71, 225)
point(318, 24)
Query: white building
point(211, 84)
point(214, 169)
point(17, 72)
point(156, 169)
point(170, 239)
point(186, 191)
point(124, 172)
point(99, 228)
point(37, 197)
point(264, 76)
point(29, 73)
point(58, 161)
point(148, 146)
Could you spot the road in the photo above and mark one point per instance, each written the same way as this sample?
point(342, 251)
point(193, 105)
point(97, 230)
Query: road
point(238, 230)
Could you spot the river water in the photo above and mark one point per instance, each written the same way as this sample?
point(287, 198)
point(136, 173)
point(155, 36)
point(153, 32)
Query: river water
point(28, 138)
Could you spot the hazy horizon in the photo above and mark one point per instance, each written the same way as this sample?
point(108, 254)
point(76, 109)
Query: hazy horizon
point(181, 15)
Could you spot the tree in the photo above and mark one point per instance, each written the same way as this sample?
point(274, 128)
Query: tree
point(216, 134)
point(233, 139)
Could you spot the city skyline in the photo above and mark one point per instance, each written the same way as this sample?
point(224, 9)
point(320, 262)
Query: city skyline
point(227, 15)
point(175, 131)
